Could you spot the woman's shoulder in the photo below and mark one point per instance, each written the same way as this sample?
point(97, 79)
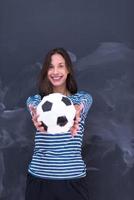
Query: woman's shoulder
point(34, 98)
point(82, 95)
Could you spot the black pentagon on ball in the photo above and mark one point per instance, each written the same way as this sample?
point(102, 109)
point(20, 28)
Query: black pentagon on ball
point(46, 106)
point(66, 101)
point(62, 120)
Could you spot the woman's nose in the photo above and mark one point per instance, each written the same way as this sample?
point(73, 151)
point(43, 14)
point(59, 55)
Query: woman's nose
point(55, 70)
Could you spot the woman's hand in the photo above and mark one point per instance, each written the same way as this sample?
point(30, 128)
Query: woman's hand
point(38, 125)
point(75, 126)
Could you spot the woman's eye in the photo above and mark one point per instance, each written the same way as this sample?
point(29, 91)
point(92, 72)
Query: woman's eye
point(61, 65)
point(50, 66)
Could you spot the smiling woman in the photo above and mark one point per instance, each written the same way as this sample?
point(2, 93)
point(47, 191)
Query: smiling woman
point(57, 73)
point(57, 169)
point(57, 69)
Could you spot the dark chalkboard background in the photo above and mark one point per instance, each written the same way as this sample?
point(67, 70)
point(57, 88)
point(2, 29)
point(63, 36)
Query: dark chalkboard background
point(99, 36)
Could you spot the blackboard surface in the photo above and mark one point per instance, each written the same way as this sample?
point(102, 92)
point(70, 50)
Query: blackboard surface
point(99, 37)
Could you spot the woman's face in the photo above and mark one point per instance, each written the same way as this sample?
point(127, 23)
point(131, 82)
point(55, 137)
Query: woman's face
point(57, 72)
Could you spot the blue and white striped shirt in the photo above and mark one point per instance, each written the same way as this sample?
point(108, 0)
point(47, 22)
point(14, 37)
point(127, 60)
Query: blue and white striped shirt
point(58, 156)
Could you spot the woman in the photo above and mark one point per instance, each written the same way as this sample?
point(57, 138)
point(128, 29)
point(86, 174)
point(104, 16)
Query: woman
point(57, 170)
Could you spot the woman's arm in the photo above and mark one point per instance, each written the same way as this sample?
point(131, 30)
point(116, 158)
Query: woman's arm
point(86, 100)
point(75, 126)
point(32, 103)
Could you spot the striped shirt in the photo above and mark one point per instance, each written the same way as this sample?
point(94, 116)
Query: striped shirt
point(58, 156)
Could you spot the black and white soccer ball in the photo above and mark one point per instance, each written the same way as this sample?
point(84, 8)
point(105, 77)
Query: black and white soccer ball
point(56, 112)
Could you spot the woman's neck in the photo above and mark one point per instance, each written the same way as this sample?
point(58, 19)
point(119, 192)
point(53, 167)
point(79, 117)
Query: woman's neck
point(63, 91)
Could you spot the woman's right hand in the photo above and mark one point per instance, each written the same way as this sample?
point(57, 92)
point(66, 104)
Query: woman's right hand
point(77, 119)
point(38, 125)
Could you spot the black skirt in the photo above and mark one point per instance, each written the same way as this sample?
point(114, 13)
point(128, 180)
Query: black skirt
point(46, 189)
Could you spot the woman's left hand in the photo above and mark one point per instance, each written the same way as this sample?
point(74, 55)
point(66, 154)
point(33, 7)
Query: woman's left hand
point(75, 126)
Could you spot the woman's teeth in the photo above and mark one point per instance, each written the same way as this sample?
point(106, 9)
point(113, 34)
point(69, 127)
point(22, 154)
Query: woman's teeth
point(56, 78)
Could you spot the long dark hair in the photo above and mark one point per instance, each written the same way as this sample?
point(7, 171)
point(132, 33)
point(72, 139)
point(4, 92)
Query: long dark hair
point(44, 85)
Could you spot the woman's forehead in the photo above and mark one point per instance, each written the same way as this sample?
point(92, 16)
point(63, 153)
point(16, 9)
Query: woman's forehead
point(57, 57)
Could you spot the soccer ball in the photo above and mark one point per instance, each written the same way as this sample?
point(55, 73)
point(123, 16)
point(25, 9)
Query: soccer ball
point(56, 112)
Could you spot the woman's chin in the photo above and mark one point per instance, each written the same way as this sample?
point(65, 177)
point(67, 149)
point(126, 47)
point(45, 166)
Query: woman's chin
point(57, 83)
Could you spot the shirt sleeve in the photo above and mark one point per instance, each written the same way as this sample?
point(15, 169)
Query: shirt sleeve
point(33, 100)
point(87, 100)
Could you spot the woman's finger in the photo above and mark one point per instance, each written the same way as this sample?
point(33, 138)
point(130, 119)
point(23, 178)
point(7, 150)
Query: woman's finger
point(78, 108)
point(38, 124)
point(73, 131)
point(35, 117)
point(41, 128)
point(32, 110)
point(74, 128)
point(77, 119)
